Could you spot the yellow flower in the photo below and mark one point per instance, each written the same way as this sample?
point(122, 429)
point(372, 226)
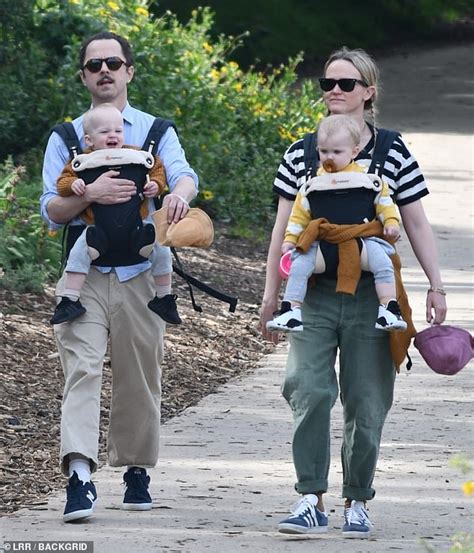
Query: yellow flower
point(319, 116)
point(260, 109)
point(207, 47)
point(141, 11)
point(113, 6)
point(468, 487)
point(74, 1)
point(233, 65)
point(194, 13)
point(215, 74)
point(178, 111)
point(303, 130)
point(68, 119)
point(286, 135)
point(238, 87)
point(207, 195)
point(52, 233)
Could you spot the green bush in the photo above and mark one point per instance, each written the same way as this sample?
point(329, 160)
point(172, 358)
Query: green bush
point(28, 255)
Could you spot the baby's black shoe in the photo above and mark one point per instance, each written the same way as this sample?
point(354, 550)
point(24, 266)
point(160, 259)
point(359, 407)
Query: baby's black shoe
point(67, 310)
point(166, 308)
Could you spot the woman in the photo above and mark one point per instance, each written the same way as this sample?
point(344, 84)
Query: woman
point(346, 323)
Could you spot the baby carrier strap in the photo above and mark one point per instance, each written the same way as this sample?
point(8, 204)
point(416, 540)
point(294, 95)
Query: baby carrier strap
point(311, 154)
point(383, 142)
point(156, 133)
point(68, 134)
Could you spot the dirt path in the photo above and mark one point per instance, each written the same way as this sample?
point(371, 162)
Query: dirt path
point(225, 476)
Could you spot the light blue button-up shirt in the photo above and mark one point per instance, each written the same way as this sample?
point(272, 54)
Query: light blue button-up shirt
point(136, 126)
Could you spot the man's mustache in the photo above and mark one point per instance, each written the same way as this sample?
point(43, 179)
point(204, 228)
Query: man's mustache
point(105, 80)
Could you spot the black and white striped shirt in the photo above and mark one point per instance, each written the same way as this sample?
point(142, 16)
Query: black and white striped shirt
point(401, 172)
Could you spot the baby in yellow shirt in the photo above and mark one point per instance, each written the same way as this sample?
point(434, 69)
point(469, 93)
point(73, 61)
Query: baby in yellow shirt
point(338, 145)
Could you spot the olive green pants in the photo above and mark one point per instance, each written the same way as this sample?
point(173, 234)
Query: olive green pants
point(341, 322)
point(117, 313)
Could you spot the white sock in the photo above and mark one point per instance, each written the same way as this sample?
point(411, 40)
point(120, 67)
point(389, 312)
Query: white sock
point(163, 290)
point(73, 295)
point(82, 467)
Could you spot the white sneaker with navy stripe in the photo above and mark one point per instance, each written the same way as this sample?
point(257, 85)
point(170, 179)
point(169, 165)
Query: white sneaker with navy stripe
point(305, 518)
point(356, 521)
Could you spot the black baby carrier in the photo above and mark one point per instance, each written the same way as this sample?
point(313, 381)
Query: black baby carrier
point(131, 209)
point(343, 205)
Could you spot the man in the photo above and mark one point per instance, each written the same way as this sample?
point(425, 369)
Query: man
point(115, 299)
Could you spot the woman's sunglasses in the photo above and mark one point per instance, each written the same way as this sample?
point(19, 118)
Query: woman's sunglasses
point(346, 85)
point(95, 64)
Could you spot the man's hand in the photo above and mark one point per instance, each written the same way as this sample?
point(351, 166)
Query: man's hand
point(109, 189)
point(177, 207)
point(78, 187)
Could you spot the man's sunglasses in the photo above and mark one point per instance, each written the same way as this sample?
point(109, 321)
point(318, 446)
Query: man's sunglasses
point(95, 64)
point(346, 85)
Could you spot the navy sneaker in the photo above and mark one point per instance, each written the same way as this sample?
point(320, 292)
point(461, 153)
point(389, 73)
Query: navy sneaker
point(136, 496)
point(356, 521)
point(305, 518)
point(67, 310)
point(81, 499)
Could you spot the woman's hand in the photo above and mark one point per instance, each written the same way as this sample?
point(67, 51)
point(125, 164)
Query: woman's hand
point(266, 314)
point(436, 308)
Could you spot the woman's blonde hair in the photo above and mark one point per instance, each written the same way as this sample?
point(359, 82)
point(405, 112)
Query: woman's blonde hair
point(366, 66)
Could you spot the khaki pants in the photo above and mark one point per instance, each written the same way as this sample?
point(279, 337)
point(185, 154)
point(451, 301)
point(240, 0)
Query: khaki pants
point(116, 311)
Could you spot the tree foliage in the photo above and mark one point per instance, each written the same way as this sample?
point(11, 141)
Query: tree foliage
point(279, 28)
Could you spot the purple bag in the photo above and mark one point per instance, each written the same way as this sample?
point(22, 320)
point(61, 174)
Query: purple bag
point(446, 349)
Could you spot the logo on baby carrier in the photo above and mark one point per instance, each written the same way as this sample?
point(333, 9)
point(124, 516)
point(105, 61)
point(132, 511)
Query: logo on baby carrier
point(110, 157)
point(335, 181)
